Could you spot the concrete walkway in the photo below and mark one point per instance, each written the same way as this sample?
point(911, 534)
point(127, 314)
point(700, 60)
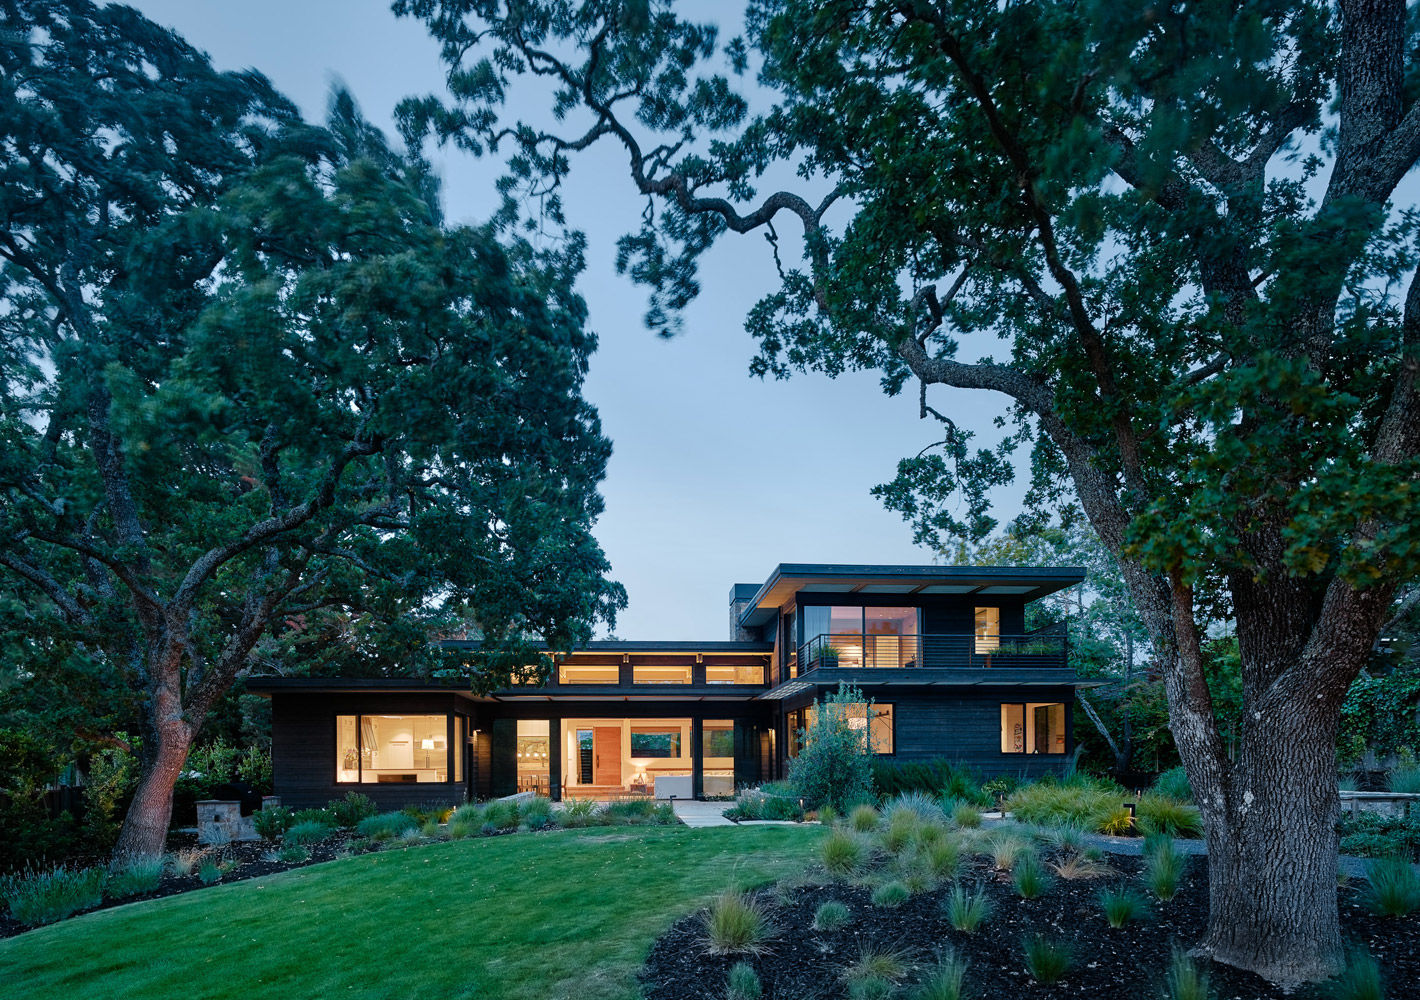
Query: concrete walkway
point(698, 814)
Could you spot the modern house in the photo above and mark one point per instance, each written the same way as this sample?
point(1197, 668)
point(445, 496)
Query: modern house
point(940, 652)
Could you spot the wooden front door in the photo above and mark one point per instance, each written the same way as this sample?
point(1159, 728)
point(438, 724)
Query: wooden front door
point(606, 755)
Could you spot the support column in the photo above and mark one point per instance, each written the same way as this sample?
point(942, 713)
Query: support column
point(557, 746)
point(697, 756)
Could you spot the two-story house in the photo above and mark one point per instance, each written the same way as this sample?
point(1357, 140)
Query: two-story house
point(940, 653)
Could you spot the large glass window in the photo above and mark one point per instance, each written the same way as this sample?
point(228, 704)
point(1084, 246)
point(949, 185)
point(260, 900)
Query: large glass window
point(1033, 727)
point(588, 673)
point(743, 674)
point(534, 753)
point(458, 747)
point(988, 630)
point(878, 725)
point(717, 740)
point(646, 674)
point(655, 741)
point(392, 749)
point(854, 636)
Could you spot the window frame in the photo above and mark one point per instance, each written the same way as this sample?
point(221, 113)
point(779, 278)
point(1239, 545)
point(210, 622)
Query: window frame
point(451, 748)
point(1027, 728)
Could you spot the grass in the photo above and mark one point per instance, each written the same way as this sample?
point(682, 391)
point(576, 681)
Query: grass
point(1392, 889)
point(1159, 814)
point(735, 923)
point(1029, 878)
point(743, 983)
point(1163, 869)
point(967, 911)
point(44, 897)
point(134, 879)
point(841, 852)
point(1185, 980)
point(830, 916)
point(874, 964)
point(1121, 906)
point(385, 826)
point(966, 815)
point(1360, 980)
point(946, 980)
point(1047, 958)
point(863, 818)
point(516, 911)
point(308, 832)
point(891, 894)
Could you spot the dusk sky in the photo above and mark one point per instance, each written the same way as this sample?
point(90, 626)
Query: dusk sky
point(716, 476)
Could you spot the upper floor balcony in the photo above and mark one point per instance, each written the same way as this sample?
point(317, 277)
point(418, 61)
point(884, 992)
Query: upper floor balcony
point(1043, 650)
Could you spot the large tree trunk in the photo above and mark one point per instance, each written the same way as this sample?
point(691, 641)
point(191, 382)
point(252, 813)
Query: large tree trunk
point(1272, 851)
point(145, 825)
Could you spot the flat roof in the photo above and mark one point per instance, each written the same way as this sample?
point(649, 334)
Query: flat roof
point(1027, 582)
point(644, 646)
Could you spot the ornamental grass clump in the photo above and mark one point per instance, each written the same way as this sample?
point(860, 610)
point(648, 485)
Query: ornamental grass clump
point(385, 826)
point(831, 916)
point(874, 963)
point(891, 894)
point(966, 815)
point(1048, 959)
point(577, 813)
point(36, 897)
point(1392, 887)
point(841, 852)
point(1029, 878)
point(1169, 817)
point(502, 814)
point(743, 983)
point(1185, 979)
point(920, 804)
point(293, 854)
point(967, 911)
point(864, 818)
point(536, 814)
point(1080, 801)
point(1360, 980)
point(309, 832)
point(1163, 869)
point(135, 878)
point(945, 981)
point(1121, 906)
point(901, 831)
point(736, 923)
point(1006, 849)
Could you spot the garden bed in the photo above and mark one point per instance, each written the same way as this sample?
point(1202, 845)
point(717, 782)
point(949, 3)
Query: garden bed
point(798, 960)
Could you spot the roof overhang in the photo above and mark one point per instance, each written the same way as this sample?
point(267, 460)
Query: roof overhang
point(789, 579)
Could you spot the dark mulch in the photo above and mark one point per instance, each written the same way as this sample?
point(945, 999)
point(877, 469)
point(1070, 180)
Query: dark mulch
point(1131, 962)
point(246, 861)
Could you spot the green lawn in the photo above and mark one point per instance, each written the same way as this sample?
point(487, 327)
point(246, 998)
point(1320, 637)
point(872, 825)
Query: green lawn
point(565, 914)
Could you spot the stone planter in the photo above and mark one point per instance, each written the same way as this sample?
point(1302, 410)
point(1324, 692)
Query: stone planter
point(1383, 803)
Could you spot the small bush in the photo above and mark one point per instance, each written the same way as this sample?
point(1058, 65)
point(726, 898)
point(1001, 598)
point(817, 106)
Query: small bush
point(385, 826)
point(43, 897)
point(1174, 784)
point(308, 832)
point(1120, 906)
point(831, 916)
point(1170, 817)
point(757, 804)
point(1392, 889)
point(835, 765)
point(1163, 869)
point(423, 812)
point(1360, 980)
point(735, 923)
point(863, 818)
point(321, 816)
point(1047, 958)
point(293, 854)
point(1404, 779)
point(209, 872)
point(966, 816)
point(537, 814)
point(743, 983)
point(502, 814)
point(841, 852)
point(350, 810)
point(967, 911)
point(134, 878)
point(1185, 980)
point(946, 980)
point(577, 813)
point(891, 894)
point(1029, 877)
point(271, 823)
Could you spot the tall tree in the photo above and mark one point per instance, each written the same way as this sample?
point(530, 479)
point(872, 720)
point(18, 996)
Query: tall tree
point(1160, 231)
point(249, 374)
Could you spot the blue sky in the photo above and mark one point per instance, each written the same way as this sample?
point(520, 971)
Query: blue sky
point(716, 477)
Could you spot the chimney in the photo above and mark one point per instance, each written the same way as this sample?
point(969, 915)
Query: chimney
point(741, 598)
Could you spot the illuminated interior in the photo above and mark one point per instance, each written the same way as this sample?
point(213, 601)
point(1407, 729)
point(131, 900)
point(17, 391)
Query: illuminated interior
point(534, 748)
point(744, 674)
point(398, 749)
point(881, 725)
point(627, 755)
point(988, 630)
point(1032, 727)
point(664, 674)
point(717, 753)
point(579, 673)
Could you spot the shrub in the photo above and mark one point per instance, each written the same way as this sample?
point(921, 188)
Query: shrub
point(308, 832)
point(1360, 980)
point(42, 897)
point(863, 818)
point(209, 872)
point(135, 878)
point(1185, 980)
point(735, 923)
point(1120, 906)
point(293, 854)
point(1047, 958)
point(385, 826)
point(1163, 868)
point(537, 814)
point(350, 810)
point(423, 812)
point(834, 767)
point(946, 980)
point(966, 816)
point(743, 983)
point(757, 804)
point(830, 916)
point(891, 894)
point(841, 852)
point(271, 823)
point(1174, 784)
point(967, 911)
point(1171, 817)
point(1029, 877)
point(936, 777)
point(1392, 889)
point(321, 816)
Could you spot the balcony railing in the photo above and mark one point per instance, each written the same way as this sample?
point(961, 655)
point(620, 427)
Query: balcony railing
point(1041, 650)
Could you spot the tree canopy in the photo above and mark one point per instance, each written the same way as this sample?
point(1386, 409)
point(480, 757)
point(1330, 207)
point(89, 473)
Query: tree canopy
point(252, 382)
